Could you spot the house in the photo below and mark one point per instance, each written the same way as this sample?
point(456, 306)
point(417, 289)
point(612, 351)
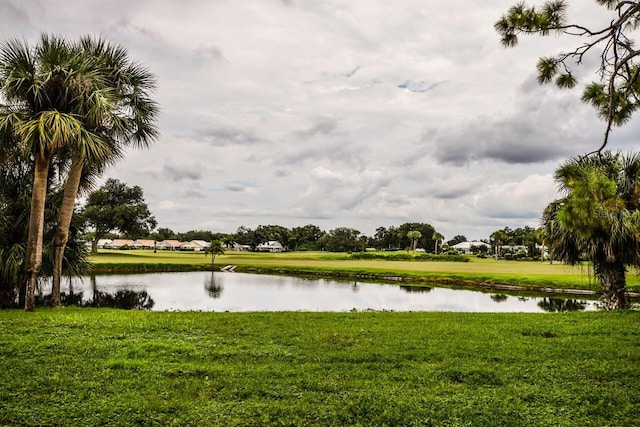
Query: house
point(144, 244)
point(233, 246)
point(104, 243)
point(122, 244)
point(194, 245)
point(270, 246)
point(169, 245)
point(465, 247)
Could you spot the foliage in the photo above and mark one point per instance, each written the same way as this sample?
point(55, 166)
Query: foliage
point(214, 248)
point(404, 256)
point(598, 217)
point(15, 190)
point(616, 93)
point(115, 206)
point(330, 369)
point(459, 238)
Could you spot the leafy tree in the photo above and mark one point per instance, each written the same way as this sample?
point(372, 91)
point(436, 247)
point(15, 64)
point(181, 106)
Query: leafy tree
point(306, 238)
point(342, 239)
point(163, 234)
point(414, 235)
point(598, 218)
point(459, 238)
point(214, 248)
point(115, 206)
point(616, 93)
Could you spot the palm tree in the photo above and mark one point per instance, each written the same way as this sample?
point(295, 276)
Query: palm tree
point(437, 237)
point(126, 118)
point(214, 248)
point(45, 88)
point(499, 237)
point(598, 219)
point(414, 235)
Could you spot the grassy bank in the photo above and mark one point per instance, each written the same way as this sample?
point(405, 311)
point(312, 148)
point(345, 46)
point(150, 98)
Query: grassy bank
point(104, 367)
point(522, 273)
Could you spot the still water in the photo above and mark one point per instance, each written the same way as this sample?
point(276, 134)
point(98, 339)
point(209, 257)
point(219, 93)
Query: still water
point(235, 292)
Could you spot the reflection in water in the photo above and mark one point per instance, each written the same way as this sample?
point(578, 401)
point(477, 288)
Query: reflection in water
point(416, 289)
point(215, 291)
point(499, 297)
point(552, 305)
point(213, 286)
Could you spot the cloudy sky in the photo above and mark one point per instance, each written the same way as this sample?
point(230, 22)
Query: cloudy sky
point(359, 113)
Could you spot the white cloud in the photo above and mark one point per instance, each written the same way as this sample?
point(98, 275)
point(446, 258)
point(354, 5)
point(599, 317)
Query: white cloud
point(360, 113)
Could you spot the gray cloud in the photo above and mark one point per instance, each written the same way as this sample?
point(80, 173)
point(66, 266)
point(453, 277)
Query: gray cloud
point(181, 172)
point(210, 52)
point(225, 136)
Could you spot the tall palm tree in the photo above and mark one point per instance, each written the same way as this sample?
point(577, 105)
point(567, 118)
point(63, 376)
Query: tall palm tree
point(598, 219)
point(45, 87)
point(126, 119)
point(414, 235)
point(437, 237)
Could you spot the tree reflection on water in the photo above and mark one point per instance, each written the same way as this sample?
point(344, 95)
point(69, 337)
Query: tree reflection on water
point(552, 305)
point(125, 299)
point(213, 286)
point(416, 289)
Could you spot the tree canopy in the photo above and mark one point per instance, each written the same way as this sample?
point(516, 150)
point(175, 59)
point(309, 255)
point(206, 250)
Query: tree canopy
point(117, 207)
point(615, 93)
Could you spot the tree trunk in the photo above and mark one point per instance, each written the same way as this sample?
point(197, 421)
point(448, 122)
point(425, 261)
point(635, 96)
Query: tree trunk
point(36, 229)
point(611, 276)
point(64, 222)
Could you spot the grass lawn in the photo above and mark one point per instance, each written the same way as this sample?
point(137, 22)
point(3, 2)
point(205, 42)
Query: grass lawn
point(86, 367)
point(525, 273)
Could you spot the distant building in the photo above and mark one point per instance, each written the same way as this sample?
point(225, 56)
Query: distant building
point(144, 244)
point(234, 246)
point(122, 244)
point(465, 247)
point(169, 245)
point(270, 246)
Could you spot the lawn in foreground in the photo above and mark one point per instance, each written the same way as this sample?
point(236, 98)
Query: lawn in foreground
point(525, 273)
point(107, 367)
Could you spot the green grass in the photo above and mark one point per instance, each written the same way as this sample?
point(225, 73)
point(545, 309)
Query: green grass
point(90, 367)
point(530, 274)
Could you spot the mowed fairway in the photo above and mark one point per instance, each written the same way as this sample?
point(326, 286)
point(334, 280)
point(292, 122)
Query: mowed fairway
point(525, 273)
point(99, 367)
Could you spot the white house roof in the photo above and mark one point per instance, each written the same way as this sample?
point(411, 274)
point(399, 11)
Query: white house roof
point(467, 245)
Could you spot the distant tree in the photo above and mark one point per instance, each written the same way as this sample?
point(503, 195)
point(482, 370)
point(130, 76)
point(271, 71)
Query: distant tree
point(343, 239)
point(414, 235)
point(457, 239)
point(214, 248)
point(616, 94)
point(499, 238)
point(245, 236)
point(115, 206)
point(437, 237)
point(163, 234)
point(306, 238)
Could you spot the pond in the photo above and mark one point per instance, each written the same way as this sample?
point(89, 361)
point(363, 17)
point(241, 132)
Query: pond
point(236, 292)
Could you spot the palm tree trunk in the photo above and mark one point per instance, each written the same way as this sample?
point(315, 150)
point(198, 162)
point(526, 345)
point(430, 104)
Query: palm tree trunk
point(611, 276)
point(36, 229)
point(61, 236)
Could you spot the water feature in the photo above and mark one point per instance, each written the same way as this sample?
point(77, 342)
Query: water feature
point(217, 291)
